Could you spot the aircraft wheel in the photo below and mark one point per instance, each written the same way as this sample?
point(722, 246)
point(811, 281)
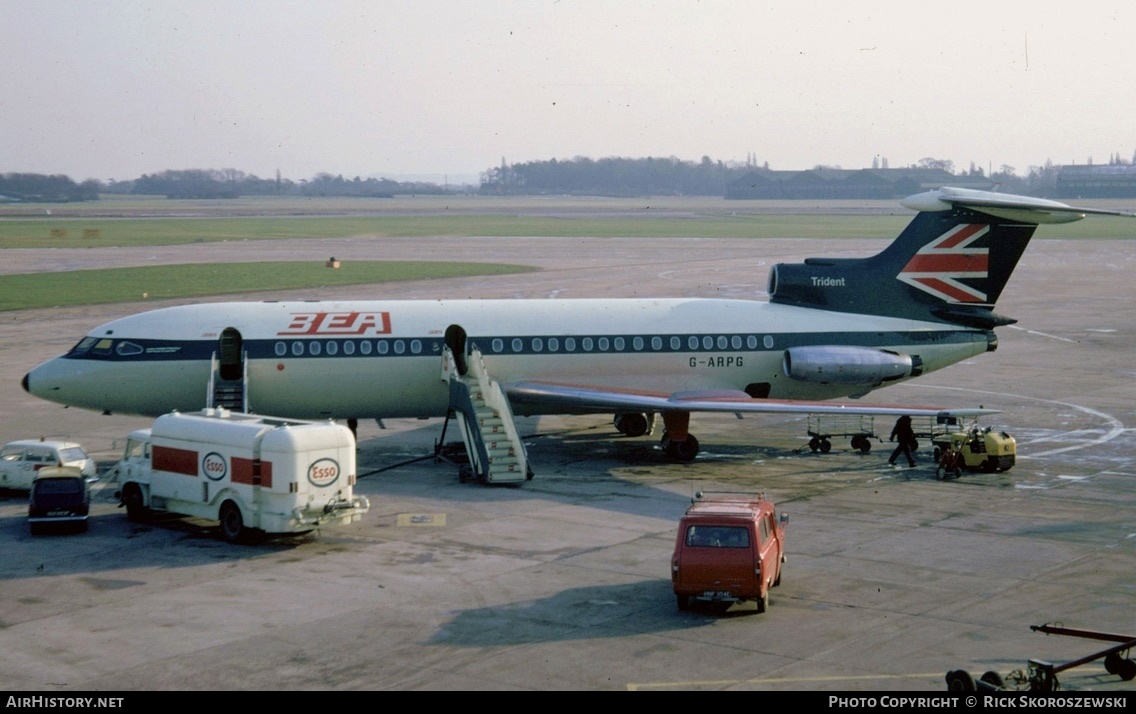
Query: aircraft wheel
point(1127, 670)
point(232, 525)
point(959, 680)
point(684, 450)
point(632, 424)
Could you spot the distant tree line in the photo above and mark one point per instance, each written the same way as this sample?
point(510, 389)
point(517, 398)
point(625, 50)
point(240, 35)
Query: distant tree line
point(38, 187)
point(201, 183)
point(579, 176)
point(230, 183)
point(613, 177)
point(674, 177)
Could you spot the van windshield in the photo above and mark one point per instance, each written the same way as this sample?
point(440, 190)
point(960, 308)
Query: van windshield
point(717, 537)
point(133, 449)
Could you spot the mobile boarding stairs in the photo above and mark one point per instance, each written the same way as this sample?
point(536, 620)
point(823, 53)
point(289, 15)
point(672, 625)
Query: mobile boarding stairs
point(496, 452)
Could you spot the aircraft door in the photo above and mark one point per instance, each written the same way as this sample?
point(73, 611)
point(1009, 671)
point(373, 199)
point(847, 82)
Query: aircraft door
point(456, 341)
point(230, 349)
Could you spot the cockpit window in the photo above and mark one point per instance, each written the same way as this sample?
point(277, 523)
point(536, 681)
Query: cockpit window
point(102, 347)
point(126, 349)
point(83, 345)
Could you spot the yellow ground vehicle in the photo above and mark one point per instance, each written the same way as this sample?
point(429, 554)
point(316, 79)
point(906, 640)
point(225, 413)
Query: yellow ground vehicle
point(975, 449)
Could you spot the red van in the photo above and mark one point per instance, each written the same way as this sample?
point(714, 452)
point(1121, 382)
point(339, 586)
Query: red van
point(729, 549)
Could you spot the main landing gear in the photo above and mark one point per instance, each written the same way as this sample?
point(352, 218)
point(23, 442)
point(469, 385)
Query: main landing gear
point(677, 443)
point(684, 450)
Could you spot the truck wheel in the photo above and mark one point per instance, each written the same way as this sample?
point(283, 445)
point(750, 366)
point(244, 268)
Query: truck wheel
point(232, 526)
point(136, 511)
point(959, 680)
point(683, 602)
point(763, 602)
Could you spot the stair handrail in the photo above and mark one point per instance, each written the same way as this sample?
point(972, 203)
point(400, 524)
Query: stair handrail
point(212, 377)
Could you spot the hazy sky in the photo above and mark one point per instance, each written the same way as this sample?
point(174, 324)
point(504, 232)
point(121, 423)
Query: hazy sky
point(118, 88)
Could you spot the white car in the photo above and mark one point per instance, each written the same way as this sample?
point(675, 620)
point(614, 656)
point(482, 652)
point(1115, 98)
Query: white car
point(20, 460)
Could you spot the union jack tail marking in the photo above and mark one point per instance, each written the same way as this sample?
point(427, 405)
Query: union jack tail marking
point(939, 267)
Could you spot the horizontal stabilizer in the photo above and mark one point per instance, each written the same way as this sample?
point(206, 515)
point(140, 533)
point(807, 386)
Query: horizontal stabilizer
point(1003, 205)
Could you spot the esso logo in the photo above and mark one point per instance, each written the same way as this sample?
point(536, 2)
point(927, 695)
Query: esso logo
point(214, 466)
point(323, 472)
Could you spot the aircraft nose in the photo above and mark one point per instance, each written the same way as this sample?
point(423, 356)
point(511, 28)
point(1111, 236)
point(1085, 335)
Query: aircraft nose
point(24, 384)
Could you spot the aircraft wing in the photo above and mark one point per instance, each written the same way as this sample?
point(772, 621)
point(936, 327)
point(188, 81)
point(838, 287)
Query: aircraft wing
point(566, 398)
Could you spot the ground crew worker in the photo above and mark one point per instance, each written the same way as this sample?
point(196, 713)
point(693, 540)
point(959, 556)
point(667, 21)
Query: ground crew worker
point(904, 434)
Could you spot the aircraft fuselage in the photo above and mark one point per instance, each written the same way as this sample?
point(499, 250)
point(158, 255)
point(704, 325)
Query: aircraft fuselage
point(383, 359)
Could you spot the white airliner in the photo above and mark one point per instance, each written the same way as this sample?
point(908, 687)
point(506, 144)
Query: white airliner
point(832, 328)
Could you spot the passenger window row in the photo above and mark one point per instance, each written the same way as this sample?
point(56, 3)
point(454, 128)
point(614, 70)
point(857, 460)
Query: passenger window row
point(105, 347)
point(526, 345)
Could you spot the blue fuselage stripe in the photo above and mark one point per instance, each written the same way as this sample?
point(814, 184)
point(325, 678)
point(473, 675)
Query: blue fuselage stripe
point(129, 350)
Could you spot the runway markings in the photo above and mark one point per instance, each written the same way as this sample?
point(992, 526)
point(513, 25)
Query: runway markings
point(1113, 425)
point(1041, 334)
point(420, 520)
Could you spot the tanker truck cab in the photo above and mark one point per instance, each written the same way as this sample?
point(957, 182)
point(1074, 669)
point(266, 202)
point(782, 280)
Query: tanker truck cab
point(248, 472)
point(728, 549)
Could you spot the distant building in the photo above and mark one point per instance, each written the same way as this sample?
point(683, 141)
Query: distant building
point(1107, 181)
point(858, 184)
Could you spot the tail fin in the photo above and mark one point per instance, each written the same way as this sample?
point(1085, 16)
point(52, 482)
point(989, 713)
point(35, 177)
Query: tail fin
point(950, 263)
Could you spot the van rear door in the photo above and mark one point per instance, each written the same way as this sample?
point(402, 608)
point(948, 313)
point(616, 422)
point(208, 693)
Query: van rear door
point(718, 561)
